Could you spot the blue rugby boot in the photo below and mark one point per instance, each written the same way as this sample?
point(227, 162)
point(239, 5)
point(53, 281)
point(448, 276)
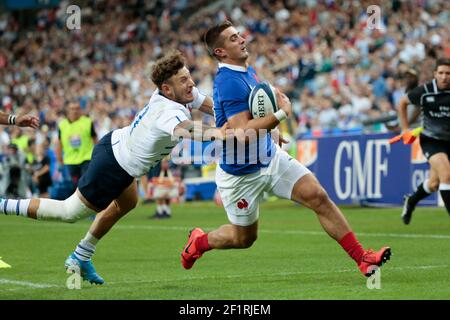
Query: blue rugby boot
point(86, 268)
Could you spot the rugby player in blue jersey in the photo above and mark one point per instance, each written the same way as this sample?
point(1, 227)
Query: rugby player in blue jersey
point(255, 164)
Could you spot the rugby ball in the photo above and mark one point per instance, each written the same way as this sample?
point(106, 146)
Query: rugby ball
point(262, 100)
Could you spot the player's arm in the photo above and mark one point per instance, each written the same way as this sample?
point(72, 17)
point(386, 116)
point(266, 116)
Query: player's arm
point(94, 134)
point(278, 137)
point(198, 131)
point(412, 97)
point(415, 115)
point(42, 171)
point(58, 149)
point(207, 106)
point(20, 121)
point(402, 113)
point(245, 127)
point(178, 125)
point(202, 102)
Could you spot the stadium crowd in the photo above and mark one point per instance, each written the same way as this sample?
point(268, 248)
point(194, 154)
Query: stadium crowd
point(336, 70)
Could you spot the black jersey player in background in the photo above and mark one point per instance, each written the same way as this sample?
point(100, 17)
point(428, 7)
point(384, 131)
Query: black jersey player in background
point(434, 99)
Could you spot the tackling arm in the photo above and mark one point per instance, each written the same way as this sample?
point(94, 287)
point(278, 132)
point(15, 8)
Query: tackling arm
point(202, 102)
point(21, 121)
point(198, 131)
point(207, 106)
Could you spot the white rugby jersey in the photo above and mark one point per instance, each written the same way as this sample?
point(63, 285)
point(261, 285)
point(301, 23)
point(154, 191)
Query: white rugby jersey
point(141, 145)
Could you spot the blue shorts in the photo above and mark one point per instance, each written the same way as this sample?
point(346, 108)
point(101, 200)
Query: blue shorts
point(104, 179)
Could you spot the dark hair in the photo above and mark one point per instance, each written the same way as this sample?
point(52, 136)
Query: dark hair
point(212, 37)
point(442, 62)
point(166, 67)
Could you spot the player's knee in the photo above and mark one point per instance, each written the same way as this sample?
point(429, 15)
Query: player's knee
point(316, 197)
point(433, 185)
point(246, 241)
point(444, 177)
point(126, 206)
point(70, 218)
point(71, 213)
point(131, 204)
point(69, 210)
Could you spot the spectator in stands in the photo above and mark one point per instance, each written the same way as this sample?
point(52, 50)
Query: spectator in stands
point(166, 187)
point(76, 141)
point(41, 168)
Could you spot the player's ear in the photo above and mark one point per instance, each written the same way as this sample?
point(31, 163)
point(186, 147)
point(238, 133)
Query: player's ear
point(166, 89)
point(219, 52)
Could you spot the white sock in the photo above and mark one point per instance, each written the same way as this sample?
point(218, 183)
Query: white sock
point(444, 186)
point(167, 209)
point(15, 207)
point(86, 248)
point(425, 186)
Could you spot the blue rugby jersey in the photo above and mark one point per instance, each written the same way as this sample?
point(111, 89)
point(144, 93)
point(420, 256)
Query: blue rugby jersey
point(232, 87)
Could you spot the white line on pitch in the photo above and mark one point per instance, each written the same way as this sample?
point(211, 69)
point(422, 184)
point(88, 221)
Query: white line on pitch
point(300, 232)
point(294, 232)
point(279, 274)
point(27, 284)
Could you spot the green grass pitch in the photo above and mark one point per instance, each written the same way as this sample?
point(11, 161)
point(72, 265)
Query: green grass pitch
point(293, 258)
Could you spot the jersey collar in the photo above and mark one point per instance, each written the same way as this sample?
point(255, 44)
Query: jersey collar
point(435, 87)
point(156, 92)
point(232, 67)
point(161, 94)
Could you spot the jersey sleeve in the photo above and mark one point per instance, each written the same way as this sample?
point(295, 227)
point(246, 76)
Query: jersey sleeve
point(415, 94)
point(169, 119)
point(233, 95)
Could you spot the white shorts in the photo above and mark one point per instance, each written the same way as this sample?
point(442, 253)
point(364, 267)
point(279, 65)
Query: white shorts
point(164, 192)
point(241, 195)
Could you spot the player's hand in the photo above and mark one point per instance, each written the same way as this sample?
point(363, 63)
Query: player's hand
point(283, 102)
point(283, 140)
point(277, 136)
point(27, 121)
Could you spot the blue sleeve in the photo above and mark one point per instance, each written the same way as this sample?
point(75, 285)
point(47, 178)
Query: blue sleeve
point(233, 95)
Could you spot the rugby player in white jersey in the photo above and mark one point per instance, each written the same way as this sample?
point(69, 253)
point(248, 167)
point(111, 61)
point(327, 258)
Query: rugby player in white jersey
point(109, 187)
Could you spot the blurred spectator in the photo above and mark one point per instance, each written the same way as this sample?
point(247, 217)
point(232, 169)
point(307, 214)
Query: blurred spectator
point(166, 188)
point(77, 138)
point(14, 177)
point(41, 170)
